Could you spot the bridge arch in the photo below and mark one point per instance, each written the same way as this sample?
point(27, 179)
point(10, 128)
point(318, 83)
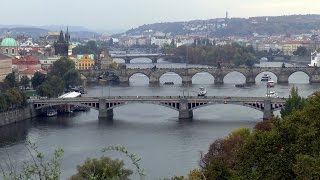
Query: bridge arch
point(299, 77)
point(202, 77)
point(170, 76)
point(119, 60)
point(234, 77)
point(259, 106)
point(167, 105)
point(138, 78)
point(140, 60)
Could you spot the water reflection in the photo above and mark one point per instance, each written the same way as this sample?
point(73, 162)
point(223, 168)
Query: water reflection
point(14, 133)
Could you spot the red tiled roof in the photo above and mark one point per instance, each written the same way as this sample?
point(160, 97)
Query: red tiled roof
point(31, 71)
point(29, 60)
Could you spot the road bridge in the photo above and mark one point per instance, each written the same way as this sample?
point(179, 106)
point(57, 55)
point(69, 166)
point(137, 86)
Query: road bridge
point(183, 104)
point(153, 57)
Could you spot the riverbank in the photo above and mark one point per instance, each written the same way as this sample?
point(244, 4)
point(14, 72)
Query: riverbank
point(17, 115)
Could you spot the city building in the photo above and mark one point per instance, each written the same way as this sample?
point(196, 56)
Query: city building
point(61, 46)
point(106, 59)
point(5, 66)
point(27, 65)
point(85, 62)
point(315, 59)
point(9, 46)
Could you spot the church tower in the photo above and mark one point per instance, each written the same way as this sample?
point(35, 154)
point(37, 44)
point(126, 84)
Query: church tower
point(62, 45)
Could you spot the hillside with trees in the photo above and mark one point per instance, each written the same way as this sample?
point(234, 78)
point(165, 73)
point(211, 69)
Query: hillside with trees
point(222, 27)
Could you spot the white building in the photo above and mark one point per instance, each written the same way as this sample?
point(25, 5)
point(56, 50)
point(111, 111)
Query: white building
point(160, 41)
point(315, 59)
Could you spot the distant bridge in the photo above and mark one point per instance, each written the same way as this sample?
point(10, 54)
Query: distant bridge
point(153, 57)
point(186, 74)
point(184, 105)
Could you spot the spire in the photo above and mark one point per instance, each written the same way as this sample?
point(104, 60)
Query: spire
point(61, 38)
point(67, 36)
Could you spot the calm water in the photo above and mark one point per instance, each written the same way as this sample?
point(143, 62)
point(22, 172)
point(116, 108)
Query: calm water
point(167, 146)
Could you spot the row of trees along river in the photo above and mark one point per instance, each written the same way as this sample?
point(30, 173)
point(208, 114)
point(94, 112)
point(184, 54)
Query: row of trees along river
point(234, 55)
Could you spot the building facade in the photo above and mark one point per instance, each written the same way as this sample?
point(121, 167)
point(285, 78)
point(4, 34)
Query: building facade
point(84, 63)
point(61, 46)
point(5, 66)
point(9, 46)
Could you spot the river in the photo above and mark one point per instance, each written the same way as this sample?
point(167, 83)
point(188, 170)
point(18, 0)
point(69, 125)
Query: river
point(166, 145)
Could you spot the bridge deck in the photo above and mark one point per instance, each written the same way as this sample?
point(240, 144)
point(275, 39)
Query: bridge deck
point(161, 98)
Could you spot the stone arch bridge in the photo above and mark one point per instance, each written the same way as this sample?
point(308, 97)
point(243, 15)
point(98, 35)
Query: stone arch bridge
point(153, 57)
point(184, 105)
point(186, 74)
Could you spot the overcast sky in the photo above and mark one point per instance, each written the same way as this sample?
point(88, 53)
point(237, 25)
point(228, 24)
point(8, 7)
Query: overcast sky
point(126, 14)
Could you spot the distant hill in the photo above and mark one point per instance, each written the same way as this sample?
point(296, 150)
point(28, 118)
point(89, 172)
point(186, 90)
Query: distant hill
point(35, 32)
point(221, 27)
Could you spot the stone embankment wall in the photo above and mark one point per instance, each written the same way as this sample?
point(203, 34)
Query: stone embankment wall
point(17, 115)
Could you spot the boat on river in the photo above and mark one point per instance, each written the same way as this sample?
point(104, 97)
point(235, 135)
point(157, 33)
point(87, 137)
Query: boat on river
point(272, 94)
point(270, 83)
point(51, 113)
point(202, 91)
point(265, 77)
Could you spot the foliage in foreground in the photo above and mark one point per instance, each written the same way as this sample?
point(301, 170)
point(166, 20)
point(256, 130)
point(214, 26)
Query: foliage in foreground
point(285, 148)
point(102, 168)
point(39, 167)
point(106, 168)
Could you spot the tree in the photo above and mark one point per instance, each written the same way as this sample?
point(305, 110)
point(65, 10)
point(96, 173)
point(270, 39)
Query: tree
point(71, 78)
point(301, 51)
point(102, 168)
point(37, 79)
point(24, 81)
point(62, 66)
point(10, 80)
point(294, 102)
point(52, 87)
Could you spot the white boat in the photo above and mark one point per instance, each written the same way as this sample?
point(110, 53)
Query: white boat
point(265, 77)
point(270, 83)
point(272, 94)
point(51, 113)
point(202, 91)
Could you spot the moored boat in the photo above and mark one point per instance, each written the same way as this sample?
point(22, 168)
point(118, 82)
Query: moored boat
point(51, 113)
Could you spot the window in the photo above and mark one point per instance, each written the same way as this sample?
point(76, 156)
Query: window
point(12, 51)
point(7, 51)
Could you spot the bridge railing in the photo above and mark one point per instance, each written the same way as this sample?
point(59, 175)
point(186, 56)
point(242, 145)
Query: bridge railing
point(155, 98)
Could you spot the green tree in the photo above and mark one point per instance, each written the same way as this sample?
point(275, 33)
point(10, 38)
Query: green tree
point(102, 168)
point(10, 80)
point(294, 102)
point(301, 51)
point(71, 78)
point(37, 79)
point(24, 81)
point(62, 66)
point(52, 87)
point(3, 103)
